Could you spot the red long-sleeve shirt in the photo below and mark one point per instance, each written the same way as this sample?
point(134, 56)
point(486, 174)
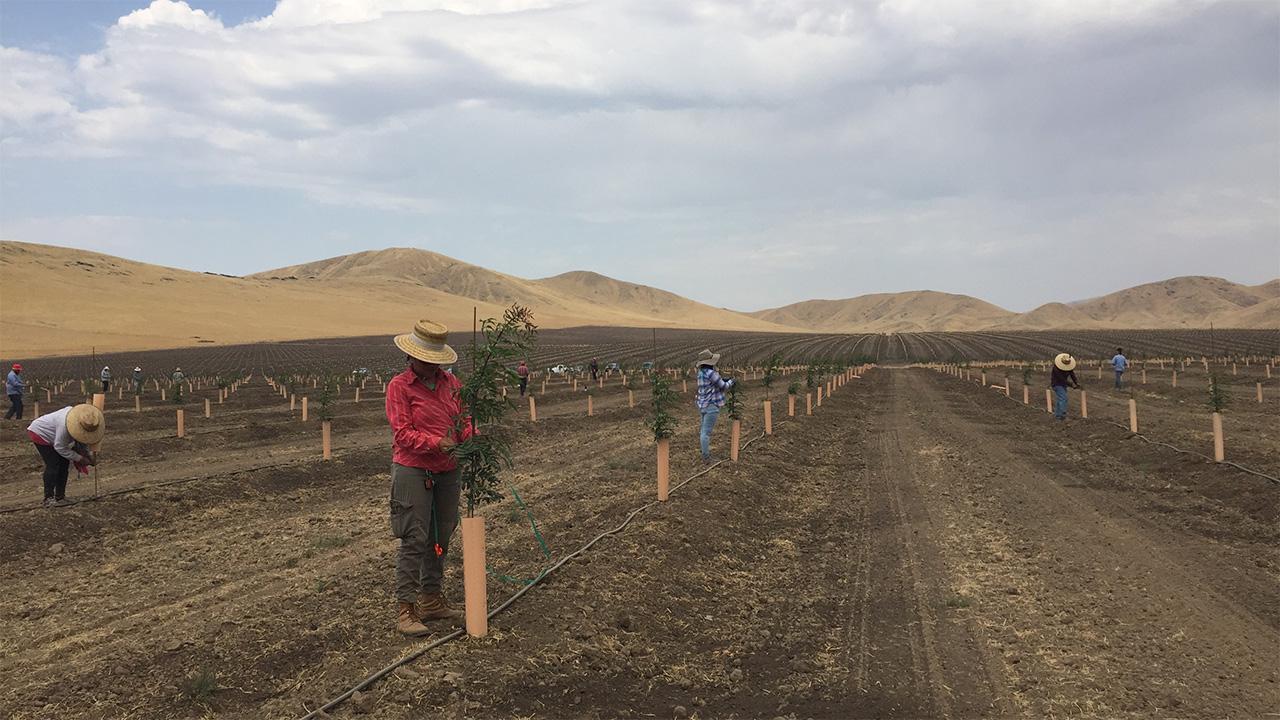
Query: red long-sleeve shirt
point(420, 417)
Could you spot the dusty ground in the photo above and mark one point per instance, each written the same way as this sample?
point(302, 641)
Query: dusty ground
point(920, 548)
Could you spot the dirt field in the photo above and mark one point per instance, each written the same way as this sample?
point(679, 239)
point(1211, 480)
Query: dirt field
point(921, 547)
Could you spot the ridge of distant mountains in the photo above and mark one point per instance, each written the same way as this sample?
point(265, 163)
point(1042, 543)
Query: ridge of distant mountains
point(142, 306)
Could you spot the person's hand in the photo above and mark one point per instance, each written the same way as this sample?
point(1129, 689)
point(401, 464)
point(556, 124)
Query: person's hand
point(91, 458)
point(447, 444)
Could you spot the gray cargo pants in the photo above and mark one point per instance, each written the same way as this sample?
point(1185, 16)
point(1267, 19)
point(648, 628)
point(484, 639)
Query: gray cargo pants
point(415, 493)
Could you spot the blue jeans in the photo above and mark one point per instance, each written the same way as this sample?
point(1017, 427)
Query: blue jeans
point(709, 416)
point(1060, 402)
point(1119, 375)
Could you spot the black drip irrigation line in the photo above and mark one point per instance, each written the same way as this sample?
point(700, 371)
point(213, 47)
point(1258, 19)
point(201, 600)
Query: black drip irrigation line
point(380, 674)
point(1146, 439)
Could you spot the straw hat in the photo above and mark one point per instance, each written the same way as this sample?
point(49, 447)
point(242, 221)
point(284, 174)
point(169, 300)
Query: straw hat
point(706, 357)
point(1065, 362)
point(86, 424)
point(426, 343)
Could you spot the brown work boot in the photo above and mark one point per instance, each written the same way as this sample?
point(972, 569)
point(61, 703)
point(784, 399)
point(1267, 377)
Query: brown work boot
point(408, 623)
point(431, 606)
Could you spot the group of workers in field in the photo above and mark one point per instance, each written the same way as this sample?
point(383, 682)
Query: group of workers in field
point(428, 421)
point(67, 437)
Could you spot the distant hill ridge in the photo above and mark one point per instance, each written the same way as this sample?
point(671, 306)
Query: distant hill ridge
point(384, 291)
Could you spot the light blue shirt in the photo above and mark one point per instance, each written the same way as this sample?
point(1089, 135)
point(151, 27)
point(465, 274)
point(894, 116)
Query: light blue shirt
point(13, 384)
point(1120, 363)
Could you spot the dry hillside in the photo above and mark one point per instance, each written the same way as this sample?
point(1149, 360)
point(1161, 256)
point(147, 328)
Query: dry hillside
point(108, 303)
point(890, 312)
point(1050, 316)
point(1192, 301)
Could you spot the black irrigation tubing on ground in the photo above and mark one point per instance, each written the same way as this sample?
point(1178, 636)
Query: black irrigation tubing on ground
point(1197, 454)
point(378, 675)
point(1146, 439)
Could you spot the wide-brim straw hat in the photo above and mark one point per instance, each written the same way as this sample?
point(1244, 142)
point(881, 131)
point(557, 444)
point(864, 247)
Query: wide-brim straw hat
point(1065, 362)
point(427, 343)
point(706, 357)
point(86, 424)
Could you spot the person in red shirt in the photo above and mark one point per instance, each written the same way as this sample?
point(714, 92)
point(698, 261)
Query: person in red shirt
point(522, 371)
point(427, 421)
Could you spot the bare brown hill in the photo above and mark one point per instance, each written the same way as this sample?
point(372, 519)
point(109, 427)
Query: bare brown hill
point(920, 310)
point(64, 301)
point(1191, 301)
point(1050, 316)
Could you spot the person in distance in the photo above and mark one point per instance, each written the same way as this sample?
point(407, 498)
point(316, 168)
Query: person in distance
point(1120, 363)
point(1064, 367)
point(710, 398)
point(106, 378)
point(14, 387)
point(522, 371)
point(62, 438)
point(423, 408)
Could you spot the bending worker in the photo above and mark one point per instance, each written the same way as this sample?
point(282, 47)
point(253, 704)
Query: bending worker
point(62, 438)
point(427, 421)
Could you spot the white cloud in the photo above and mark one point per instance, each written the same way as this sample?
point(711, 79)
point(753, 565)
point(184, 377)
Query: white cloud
point(939, 128)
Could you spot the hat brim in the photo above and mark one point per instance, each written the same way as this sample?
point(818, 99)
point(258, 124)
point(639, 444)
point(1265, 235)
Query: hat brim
point(1065, 365)
point(715, 359)
point(409, 344)
point(79, 434)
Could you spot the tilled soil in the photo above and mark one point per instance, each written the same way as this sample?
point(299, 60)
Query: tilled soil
point(920, 547)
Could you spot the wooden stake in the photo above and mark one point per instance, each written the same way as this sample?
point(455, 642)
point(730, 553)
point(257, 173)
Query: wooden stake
point(182, 424)
point(533, 409)
point(504, 393)
point(476, 595)
point(1084, 404)
point(292, 399)
point(100, 401)
point(1175, 378)
point(768, 417)
point(37, 409)
point(808, 403)
point(206, 408)
point(820, 396)
point(1133, 416)
point(304, 408)
point(631, 398)
point(1048, 400)
point(664, 468)
point(137, 403)
point(735, 438)
point(162, 396)
point(1219, 454)
point(684, 386)
point(1026, 395)
point(1259, 386)
point(791, 405)
point(325, 445)
point(590, 407)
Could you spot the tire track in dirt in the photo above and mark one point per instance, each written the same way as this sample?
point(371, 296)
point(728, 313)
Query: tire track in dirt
point(1098, 609)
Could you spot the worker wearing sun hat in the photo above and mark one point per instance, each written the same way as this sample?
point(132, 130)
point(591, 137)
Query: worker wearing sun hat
point(710, 397)
point(1063, 374)
point(63, 438)
point(427, 421)
point(14, 387)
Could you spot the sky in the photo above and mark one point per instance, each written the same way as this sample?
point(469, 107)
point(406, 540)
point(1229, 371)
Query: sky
point(743, 153)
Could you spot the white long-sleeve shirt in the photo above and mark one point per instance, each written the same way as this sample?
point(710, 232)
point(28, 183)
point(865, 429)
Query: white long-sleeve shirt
point(52, 428)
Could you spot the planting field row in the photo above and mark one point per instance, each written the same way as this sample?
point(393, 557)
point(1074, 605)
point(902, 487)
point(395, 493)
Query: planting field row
point(919, 547)
point(631, 347)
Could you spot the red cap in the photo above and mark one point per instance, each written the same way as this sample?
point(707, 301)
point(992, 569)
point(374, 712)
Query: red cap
point(17, 366)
